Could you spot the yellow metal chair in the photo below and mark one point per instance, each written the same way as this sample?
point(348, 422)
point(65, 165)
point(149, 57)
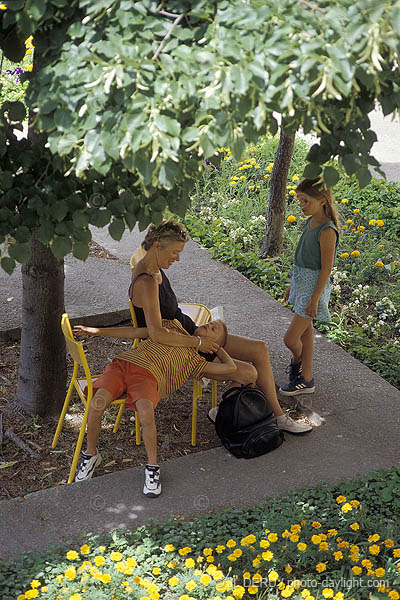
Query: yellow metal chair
point(78, 384)
point(200, 314)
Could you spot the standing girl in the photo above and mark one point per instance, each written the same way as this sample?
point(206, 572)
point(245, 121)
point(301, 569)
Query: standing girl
point(310, 286)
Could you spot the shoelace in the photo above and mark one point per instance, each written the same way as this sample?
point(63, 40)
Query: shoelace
point(154, 476)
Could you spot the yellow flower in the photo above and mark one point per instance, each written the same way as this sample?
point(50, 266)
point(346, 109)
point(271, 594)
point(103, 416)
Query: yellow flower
point(380, 223)
point(70, 573)
point(252, 589)
point(380, 572)
point(116, 556)
point(288, 569)
point(344, 201)
point(3, 6)
point(273, 537)
point(31, 594)
point(264, 544)
point(349, 221)
point(35, 583)
point(362, 228)
point(379, 264)
point(185, 550)
point(374, 537)
point(270, 167)
point(316, 539)
point(189, 563)
point(169, 548)
point(295, 177)
point(344, 255)
point(156, 570)
point(291, 219)
point(321, 567)
point(273, 575)
point(356, 211)
point(106, 578)
point(205, 579)
point(85, 549)
point(287, 591)
point(305, 593)
point(238, 591)
point(72, 555)
point(355, 253)
point(268, 555)
point(327, 593)
point(374, 550)
point(257, 578)
point(332, 532)
point(267, 176)
point(346, 507)
point(75, 597)
point(393, 595)
point(207, 551)
point(99, 561)
point(302, 547)
point(219, 549)
point(191, 585)
point(356, 570)
point(339, 596)
point(338, 555)
point(389, 543)
point(293, 537)
point(292, 193)
point(366, 563)
point(324, 546)
point(372, 222)
point(354, 526)
point(231, 543)
point(173, 581)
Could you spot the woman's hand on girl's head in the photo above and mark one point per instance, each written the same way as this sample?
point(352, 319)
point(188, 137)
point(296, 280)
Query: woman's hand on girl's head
point(208, 345)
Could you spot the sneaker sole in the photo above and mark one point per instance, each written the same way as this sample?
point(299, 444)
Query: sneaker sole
point(297, 432)
point(297, 392)
point(151, 494)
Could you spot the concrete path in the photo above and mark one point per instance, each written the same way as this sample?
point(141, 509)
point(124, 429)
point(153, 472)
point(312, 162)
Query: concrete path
point(359, 433)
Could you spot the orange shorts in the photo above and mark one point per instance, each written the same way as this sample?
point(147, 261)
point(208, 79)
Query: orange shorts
point(122, 378)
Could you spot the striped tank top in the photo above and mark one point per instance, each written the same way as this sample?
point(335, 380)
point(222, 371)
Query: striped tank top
point(170, 365)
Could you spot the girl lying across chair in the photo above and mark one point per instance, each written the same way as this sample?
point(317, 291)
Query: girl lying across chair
point(147, 373)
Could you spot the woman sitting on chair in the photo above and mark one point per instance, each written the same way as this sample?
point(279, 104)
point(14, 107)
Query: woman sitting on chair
point(154, 300)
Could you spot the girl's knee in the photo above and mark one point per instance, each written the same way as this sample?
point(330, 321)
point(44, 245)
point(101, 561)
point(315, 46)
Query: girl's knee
point(100, 401)
point(247, 374)
point(145, 410)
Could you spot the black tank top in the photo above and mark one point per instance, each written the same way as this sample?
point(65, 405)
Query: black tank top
point(168, 306)
point(169, 310)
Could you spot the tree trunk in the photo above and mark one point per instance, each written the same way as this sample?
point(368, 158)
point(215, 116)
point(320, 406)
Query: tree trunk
point(273, 240)
point(42, 366)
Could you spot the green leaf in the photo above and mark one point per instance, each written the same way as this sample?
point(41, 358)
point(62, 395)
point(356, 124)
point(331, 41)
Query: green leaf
point(168, 125)
point(116, 229)
point(331, 176)
point(351, 163)
point(20, 252)
point(167, 173)
point(312, 170)
point(17, 111)
point(37, 9)
point(13, 46)
point(45, 232)
point(61, 246)
point(8, 264)
point(80, 219)
point(59, 210)
point(66, 143)
point(80, 250)
point(363, 176)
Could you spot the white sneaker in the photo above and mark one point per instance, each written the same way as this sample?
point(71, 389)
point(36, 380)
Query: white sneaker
point(86, 465)
point(286, 423)
point(212, 414)
point(152, 484)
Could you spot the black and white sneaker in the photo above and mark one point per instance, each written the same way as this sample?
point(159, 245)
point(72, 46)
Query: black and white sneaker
point(152, 484)
point(298, 386)
point(86, 465)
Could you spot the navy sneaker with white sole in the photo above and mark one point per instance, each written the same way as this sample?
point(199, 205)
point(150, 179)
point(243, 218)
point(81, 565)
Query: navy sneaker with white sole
point(86, 465)
point(152, 483)
point(298, 386)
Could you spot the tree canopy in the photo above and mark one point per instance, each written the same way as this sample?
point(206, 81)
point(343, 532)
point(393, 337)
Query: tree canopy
point(129, 97)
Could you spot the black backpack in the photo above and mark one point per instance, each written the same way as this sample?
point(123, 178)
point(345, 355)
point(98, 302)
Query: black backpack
point(246, 424)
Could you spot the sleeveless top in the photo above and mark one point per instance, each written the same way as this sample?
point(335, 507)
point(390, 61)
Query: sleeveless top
point(308, 251)
point(169, 309)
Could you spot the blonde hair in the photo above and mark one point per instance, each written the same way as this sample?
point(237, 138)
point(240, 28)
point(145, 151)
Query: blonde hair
point(316, 189)
point(225, 330)
point(169, 230)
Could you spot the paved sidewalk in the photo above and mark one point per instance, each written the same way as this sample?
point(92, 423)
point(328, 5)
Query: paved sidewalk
point(359, 433)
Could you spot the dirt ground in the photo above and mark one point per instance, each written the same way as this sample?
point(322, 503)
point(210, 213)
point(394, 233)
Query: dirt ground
point(21, 473)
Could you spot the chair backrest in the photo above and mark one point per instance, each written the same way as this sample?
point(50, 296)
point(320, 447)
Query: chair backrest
point(74, 348)
point(136, 256)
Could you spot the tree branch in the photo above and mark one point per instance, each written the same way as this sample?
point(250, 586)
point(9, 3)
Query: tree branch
point(312, 6)
point(168, 35)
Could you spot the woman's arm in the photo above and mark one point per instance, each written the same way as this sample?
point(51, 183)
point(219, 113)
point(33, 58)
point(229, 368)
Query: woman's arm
point(146, 296)
point(226, 367)
point(327, 243)
point(129, 333)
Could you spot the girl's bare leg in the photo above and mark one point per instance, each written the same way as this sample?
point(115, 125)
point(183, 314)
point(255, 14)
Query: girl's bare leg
point(100, 401)
point(145, 409)
point(299, 339)
point(256, 352)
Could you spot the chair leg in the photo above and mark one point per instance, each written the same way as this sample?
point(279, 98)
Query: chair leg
point(119, 416)
point(214, 394)
point(62, 415)
point(138, 435)
point(197, 392)
point(79, 443)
